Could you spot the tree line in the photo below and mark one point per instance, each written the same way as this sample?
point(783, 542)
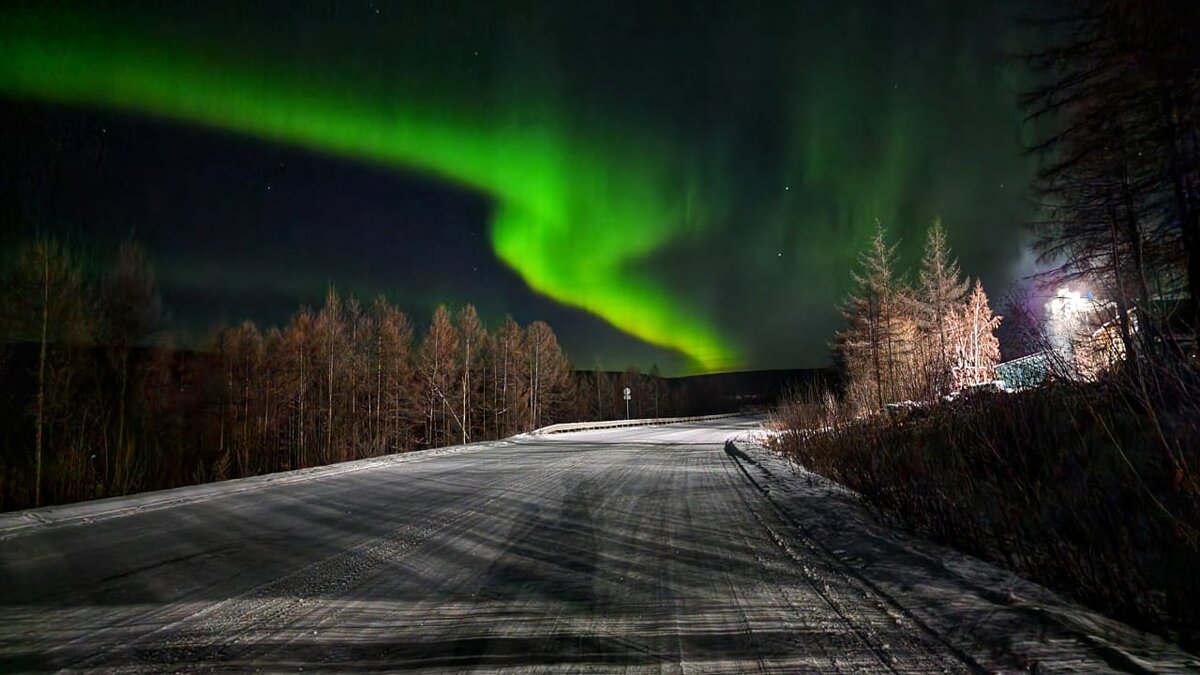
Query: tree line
point(101, 398)
point(914, 342)
point(347, 381)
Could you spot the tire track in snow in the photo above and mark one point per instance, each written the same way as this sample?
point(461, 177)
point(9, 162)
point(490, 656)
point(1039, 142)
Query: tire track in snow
point(892, 611)
point(236, 620)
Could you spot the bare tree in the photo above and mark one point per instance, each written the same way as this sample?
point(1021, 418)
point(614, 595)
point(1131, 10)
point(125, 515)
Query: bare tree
point(508, 381)
point(393, 383)
point(438, 365)
point(241, 352)
point(275, 363)
point(132, 313)
point(330, 332)
point(44, 302)
point(471, 334)
point(1116, 111)
point(299, 341)
point(354, 366)
point(975, 347)
point(549, 374)
point(655, 384)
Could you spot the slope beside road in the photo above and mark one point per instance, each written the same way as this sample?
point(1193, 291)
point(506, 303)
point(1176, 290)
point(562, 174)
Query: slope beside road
point(678, 548)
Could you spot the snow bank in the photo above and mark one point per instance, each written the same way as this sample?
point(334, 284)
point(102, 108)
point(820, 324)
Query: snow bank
point(1000, 620)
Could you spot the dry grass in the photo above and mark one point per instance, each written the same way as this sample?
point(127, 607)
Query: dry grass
point(1090, 489)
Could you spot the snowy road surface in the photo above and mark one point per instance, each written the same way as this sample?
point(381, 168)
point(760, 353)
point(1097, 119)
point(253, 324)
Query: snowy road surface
point(654, 549)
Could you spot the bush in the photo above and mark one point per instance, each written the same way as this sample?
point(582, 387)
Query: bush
point(1090, 489)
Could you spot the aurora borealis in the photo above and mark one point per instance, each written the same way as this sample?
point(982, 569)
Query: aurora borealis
point(698, 177)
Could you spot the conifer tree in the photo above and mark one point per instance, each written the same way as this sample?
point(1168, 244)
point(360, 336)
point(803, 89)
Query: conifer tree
point(869, 343)
point(940, 292)
point(976, 348)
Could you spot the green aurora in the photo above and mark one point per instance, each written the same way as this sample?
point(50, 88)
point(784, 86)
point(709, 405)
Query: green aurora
point(609, 211)
point(569, 218)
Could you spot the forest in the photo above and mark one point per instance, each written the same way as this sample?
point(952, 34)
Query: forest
point(102, 398)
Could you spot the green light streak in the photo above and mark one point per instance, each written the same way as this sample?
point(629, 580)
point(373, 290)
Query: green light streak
point(576, 212)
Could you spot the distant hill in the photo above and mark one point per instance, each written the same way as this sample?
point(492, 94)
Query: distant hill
point(725, 392)
point(753, 388)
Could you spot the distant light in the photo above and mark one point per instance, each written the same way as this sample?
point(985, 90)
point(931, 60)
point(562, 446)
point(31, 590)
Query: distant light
point(1067, 301)
point(1066, 321)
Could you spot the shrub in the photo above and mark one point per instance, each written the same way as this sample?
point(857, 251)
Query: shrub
point(1088, 488)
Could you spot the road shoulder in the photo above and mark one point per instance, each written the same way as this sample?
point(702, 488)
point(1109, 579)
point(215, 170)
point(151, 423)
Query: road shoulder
point(999, 620)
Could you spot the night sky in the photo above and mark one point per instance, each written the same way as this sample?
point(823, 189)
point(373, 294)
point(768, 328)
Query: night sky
point(684, 184)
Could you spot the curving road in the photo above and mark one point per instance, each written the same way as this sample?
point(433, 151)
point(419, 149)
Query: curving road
point(651, 549)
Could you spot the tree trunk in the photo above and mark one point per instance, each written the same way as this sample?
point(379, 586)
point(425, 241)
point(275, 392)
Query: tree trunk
point(1121, 299)
point(41, 391)
point(300, 450)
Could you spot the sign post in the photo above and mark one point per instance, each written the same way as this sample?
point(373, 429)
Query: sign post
point(628, 395)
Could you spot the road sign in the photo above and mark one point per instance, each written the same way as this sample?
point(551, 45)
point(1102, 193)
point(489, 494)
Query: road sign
point(628, 394)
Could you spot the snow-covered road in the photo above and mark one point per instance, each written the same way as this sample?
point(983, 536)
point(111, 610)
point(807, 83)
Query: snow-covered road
point(643, 549)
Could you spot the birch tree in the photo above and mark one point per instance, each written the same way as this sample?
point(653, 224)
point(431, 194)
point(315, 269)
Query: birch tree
point(44, 303)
